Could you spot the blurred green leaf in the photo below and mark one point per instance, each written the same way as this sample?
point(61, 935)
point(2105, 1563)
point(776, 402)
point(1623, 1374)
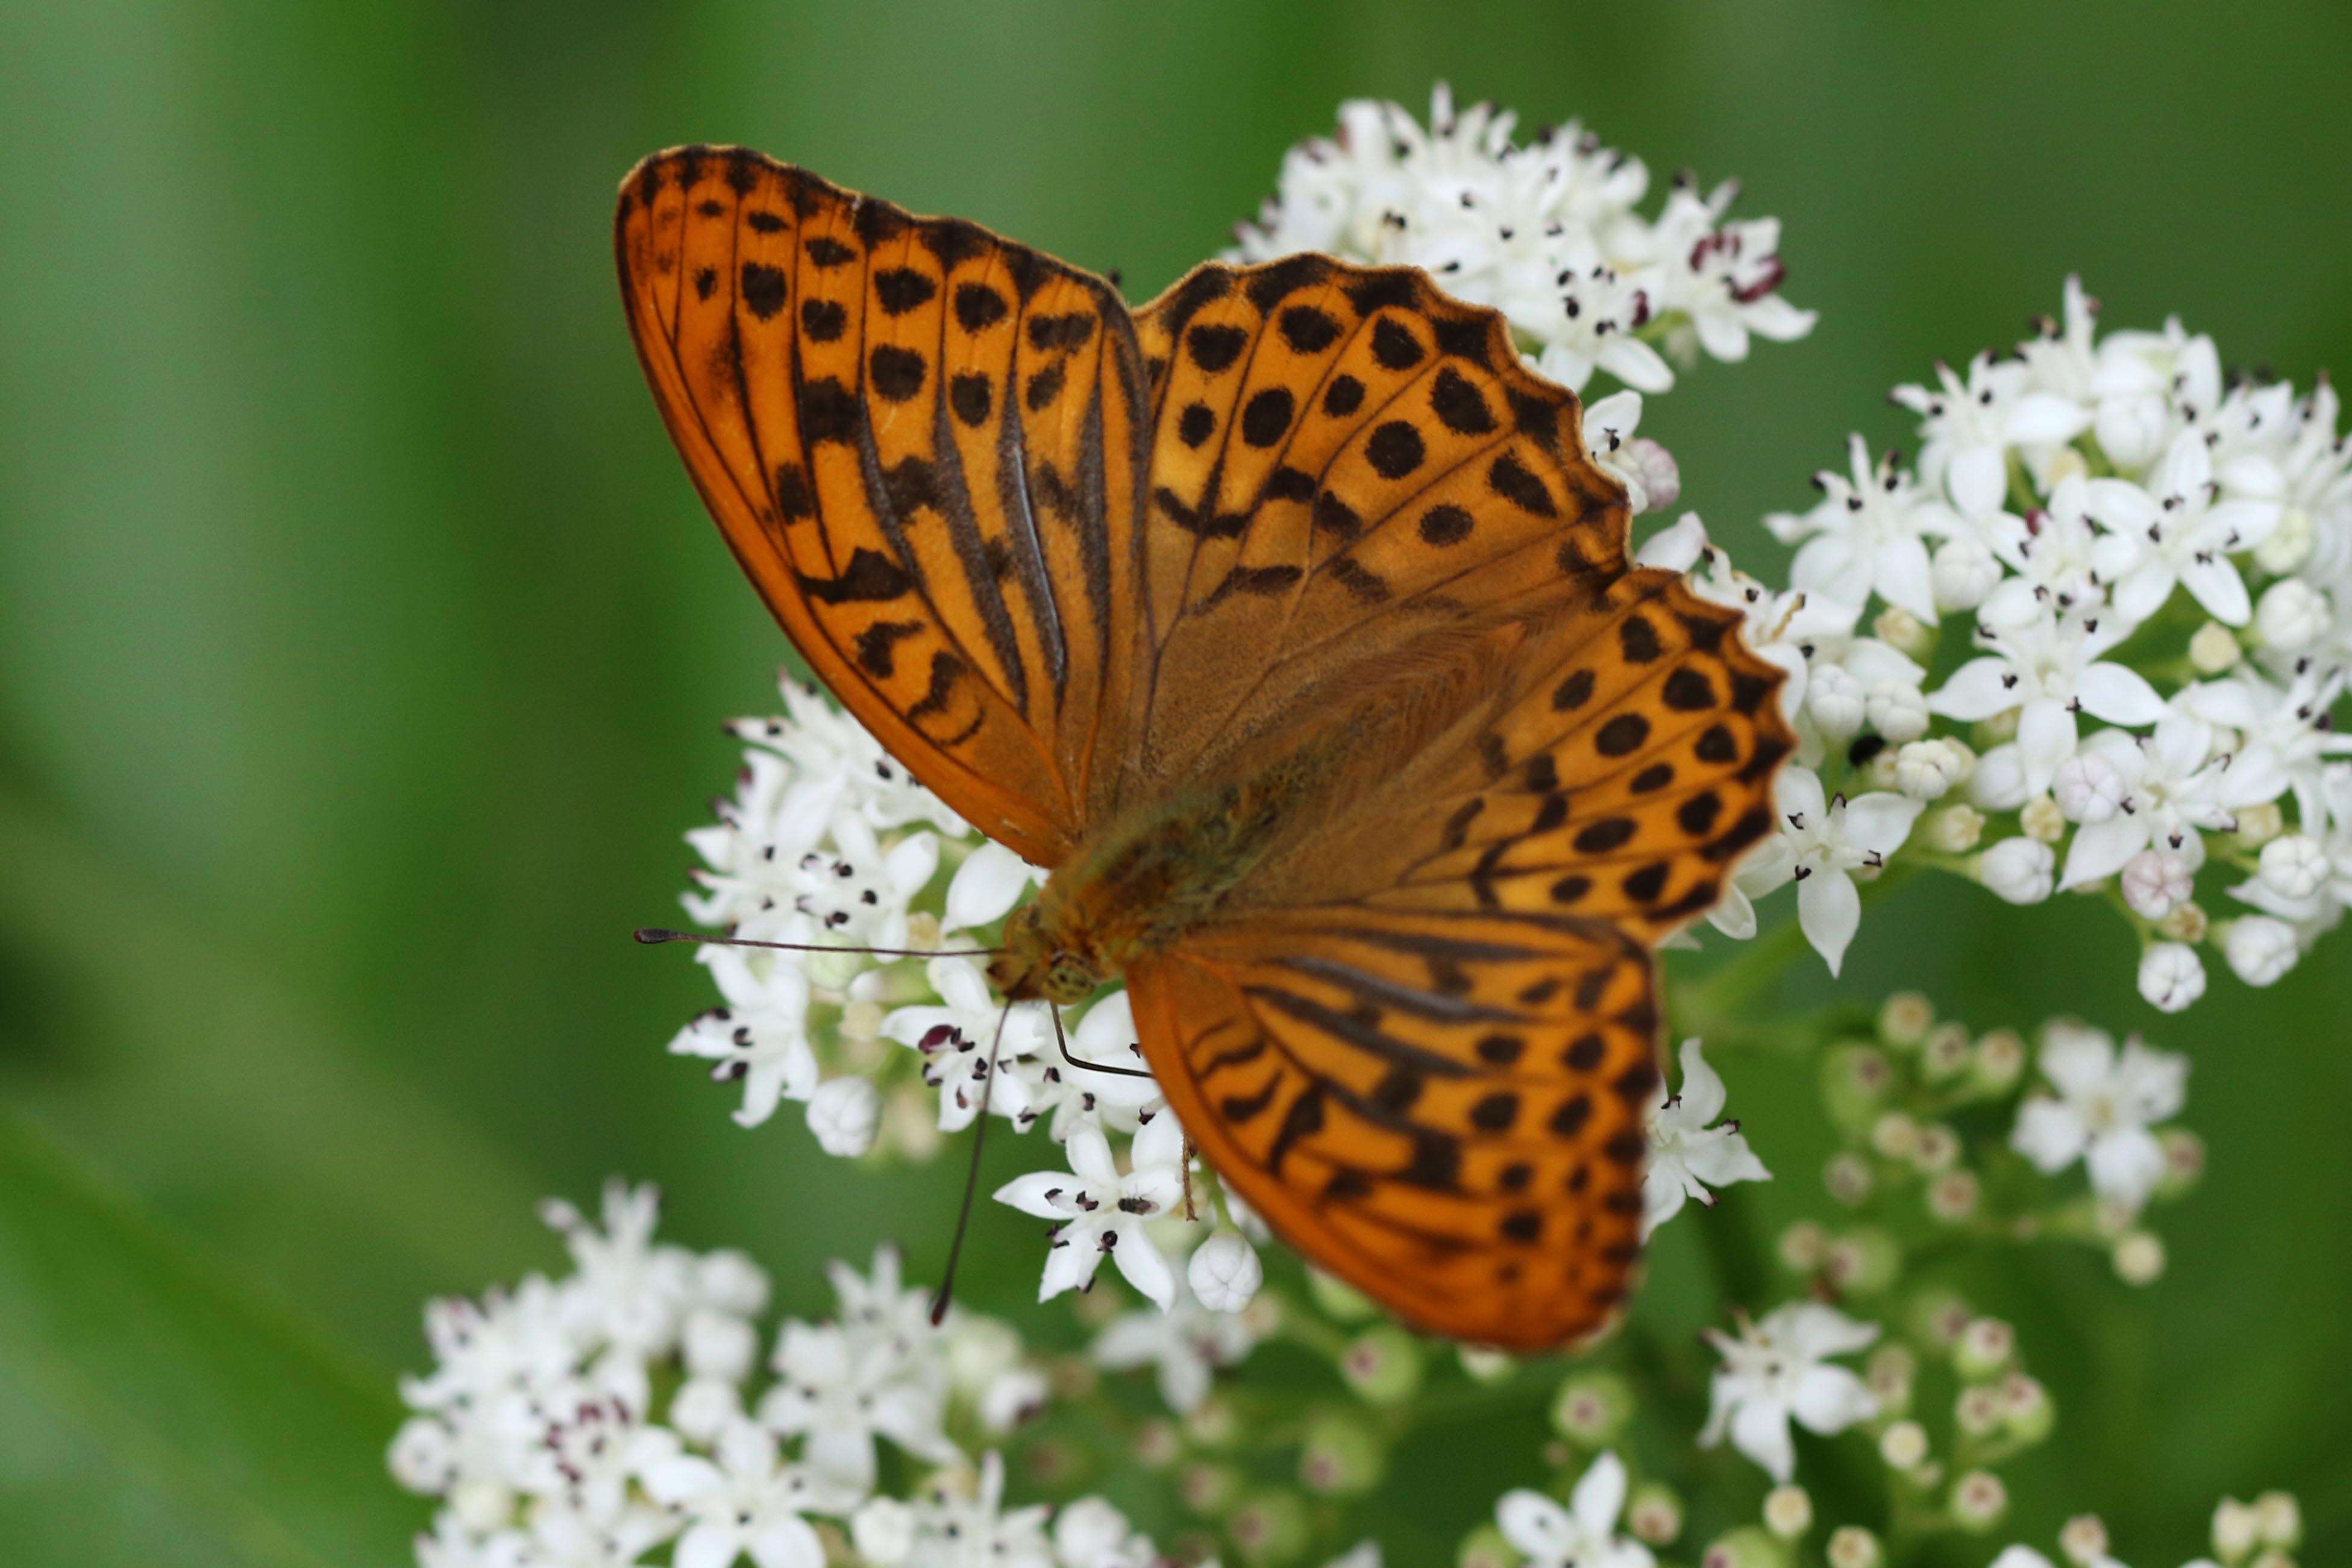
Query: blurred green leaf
point(235, 1433)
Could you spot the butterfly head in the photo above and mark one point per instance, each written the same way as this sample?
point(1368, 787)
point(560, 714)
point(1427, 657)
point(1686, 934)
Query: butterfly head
point(1043, 961)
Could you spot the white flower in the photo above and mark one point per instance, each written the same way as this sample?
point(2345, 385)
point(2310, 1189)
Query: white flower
point(2053, 552)
point(740, 1501)
point(1097, 1211)
point(2019, 870)
point(957, 1531)
point(2285, 734)
point(760, 1038)
point(1224, 1273)
point(2261, 950)
point(1183, 1344)
point(2171, 978)
point(955, 1037)
point(2174, 787)
point(1582, 1535)
point(844, 1113)
point(2049, 669)
point(841, 1389)
point(2180, 531)
point(1088, 1532)
point(1970, 423)
point(1821, 843)
point(1779, 1370)
point(2105, 1103)
point(1065, 1092)
point(1866, 536)
point(1687, 1155)
point(984, 888)
point(628, 1293)
point(1545, 232)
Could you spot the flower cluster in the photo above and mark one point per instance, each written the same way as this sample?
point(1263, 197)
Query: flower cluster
point(586, 1421)
point(1550, 234)
point(2155, 561)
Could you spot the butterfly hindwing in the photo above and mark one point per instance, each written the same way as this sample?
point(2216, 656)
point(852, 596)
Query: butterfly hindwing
point(924, 443)
point(1343, 459)
point(1443, 1109)
point(1620, 773)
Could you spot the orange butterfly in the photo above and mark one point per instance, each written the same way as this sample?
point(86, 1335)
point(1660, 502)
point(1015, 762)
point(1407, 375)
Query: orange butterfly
point(1288, 621)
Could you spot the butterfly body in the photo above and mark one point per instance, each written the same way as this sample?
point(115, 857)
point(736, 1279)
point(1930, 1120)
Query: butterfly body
point(1288, 624)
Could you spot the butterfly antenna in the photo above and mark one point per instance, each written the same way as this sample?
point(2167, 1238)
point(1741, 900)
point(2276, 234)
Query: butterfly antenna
point(1064, 1041)
point(940, 1302)
point(653, 936)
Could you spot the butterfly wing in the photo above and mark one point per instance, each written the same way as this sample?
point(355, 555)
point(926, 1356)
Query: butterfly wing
point(1421, 1038)
point(1442, 1109)
point(1344, 462)
point(925, 444)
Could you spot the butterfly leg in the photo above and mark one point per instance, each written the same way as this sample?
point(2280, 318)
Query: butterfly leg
point(1062, 1041)
point(1188, 1152)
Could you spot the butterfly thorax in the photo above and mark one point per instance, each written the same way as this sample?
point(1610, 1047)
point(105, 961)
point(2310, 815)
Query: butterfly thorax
point(1145, 878)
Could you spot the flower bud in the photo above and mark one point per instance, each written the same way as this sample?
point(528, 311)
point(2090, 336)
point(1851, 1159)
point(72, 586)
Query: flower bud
point(2138, 1257)
point(1905, 1018)
point(2280, 1518)
point(1864, 1262)
point(1895, 1136)
point(1926, 770)
point(1998, 729)
point(1939, 1318)
point(1848, 1179)
point(1481, 1364)
point(2214, 648)
point(2041, 820)
point(1854, 1081)
point(2184, 1161)
point(1653, 469)
point(1207, 1488)
point(2260, 823)
point(1978, 1500)
point(2026, 1409)
point(2293, 867)
point(2155, 882)
point(719, 1345)
point(1963, 572)
point(1485, 1548)
point(1340, 1299)
point(883, 1531)
point(1956, 829)
point(861, 1021)
point(2292, 616)
point(1999, 1063)
point(1382, 1365)
point(1592, 1408)
point(703, 1408)
point(2131, 429)
point(2170, 978)
point(1224, 1273)
point(1852, 1546)
point(1904, 632)
point(1896, 710)
point(1945, 1054)
point(1271, 1527)
point(1984, 1349)
point(1835, 701)
point(1904, 1445)
point(1788, 1511)
point(1340, 1456)
point(1889, 1373)
point(1654, 1514)
point(2089, 788)
point(1954, 1196)
point(844, 1113)
point(1751, 1546)
point(2289, 545)
point(1978, 1410)
point(1802, 1247)
point(2237, 1529)
point(2019, 870)
point(2085, 1539)
point(2187, 922)
point(2260, 950)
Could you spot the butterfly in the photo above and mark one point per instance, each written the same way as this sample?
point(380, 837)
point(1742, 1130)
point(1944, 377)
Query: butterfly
point(1288, 622)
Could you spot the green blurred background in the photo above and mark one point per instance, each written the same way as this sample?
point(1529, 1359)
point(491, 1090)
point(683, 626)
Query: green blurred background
point(362, 650)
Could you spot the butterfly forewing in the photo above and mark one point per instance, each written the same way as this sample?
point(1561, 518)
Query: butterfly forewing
point(1342, 460)
point(1443, 1109)
point(924, 443)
